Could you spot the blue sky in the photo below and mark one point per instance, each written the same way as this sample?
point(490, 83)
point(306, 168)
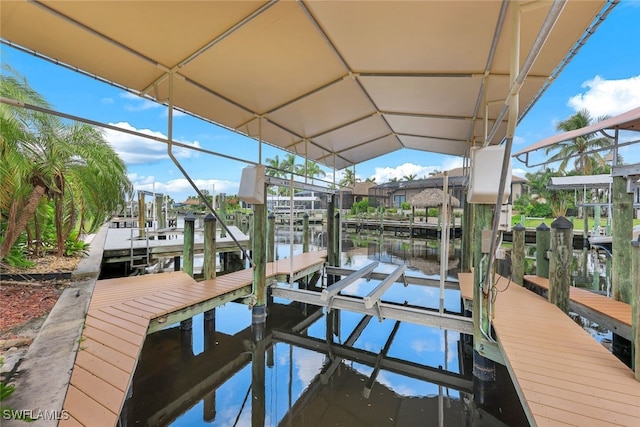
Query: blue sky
point(604, 78)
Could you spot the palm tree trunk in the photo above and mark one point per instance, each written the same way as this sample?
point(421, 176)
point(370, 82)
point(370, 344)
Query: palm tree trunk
point(59, 221)
point(18, 221)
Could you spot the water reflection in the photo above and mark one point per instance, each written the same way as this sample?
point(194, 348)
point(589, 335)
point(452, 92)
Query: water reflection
point(319, 369)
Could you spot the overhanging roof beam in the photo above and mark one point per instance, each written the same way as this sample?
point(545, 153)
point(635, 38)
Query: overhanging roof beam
point(15, 103)
point(211, 43)
point(227, 33)
point(344, 125)
point(305, 95)
point(424, 115)
point(360, 145)
point(441, 138)
point(441, 75)
point(99, 35)
point(549, 22)
point(487, 68)
point(576, 48)
point(335, 50)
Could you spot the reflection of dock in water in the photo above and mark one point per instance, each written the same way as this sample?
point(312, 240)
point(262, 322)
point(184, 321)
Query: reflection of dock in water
point(174, 379)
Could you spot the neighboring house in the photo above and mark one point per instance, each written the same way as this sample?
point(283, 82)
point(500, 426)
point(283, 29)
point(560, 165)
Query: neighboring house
point(350, 195)
point(393, 194)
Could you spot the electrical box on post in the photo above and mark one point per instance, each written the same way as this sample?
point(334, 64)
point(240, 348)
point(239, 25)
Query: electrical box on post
point(252, 185)
point(484, 178)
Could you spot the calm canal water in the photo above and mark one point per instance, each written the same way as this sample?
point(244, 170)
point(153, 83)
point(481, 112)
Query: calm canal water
point(319, 369)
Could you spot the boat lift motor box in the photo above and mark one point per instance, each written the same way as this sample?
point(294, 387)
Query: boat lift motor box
point(484, 178)
point(252, 185)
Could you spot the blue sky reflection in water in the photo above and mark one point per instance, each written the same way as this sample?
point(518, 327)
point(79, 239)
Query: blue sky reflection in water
point(177, 378)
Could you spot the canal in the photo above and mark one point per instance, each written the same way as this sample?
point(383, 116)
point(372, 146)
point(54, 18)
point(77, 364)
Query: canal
point(323, 369)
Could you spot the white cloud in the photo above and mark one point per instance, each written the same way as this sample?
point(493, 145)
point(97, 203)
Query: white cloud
point(138, 103)
point(385, 174)
point(134, 149)
point(179, 189)
point(607, 97)
point(309, 365)
point(422, 346)
point(518, 172)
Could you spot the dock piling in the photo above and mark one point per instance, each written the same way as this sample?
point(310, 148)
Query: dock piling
point(209, 266)
point(187, 256)
point(189, 236)
point(622, 233)
point(258, 239)
point(271, 237)
point(305, 232)
point(560, 263)
point(518, 255)
point(543, 244)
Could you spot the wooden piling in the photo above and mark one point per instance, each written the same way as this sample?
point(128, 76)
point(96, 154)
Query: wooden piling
point(411, 219)
point(271, 237)
point(210, 256)
point(482, 218)
point(187, 249)
point(518, 255)
point(543, 244)
point(258, 240)
point(305, 232)
point(160, 213)
point(223, 213)
point(329, 240)
point(622, 233)
point(635, 306)
point(560, 262)
point(142, 216)
point(483, 368)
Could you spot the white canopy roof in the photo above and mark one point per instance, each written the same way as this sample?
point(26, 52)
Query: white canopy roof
point(579, 182)
point(625, 121)
point(339, 82)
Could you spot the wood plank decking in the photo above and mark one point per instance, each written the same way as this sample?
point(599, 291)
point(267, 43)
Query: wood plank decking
point(562, 375)
point(119, 317)
point(611, 314)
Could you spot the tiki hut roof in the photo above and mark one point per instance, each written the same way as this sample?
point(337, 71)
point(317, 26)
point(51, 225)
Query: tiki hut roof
point(431, 198)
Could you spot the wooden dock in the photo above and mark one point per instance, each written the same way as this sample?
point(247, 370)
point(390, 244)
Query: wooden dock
point(121, 314)
point(562, 375)
point(119, 246)
point(606, 312)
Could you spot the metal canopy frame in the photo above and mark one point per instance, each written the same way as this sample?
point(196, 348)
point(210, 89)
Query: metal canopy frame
point(338, 82)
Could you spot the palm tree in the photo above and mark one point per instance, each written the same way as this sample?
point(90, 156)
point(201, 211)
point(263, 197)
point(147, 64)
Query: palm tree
point(288, 164)
point(21, 187)
point(586, 161)
point(435, 172)
point(310, 169)
point(348, 179)
point(273, 167)
point(44, 158)
point(410, 177)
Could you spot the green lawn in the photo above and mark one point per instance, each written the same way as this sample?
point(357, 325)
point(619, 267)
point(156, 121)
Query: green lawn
point(578, 223)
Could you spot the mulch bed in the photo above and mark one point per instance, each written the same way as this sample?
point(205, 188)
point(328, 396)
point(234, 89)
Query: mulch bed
point(22, 301)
